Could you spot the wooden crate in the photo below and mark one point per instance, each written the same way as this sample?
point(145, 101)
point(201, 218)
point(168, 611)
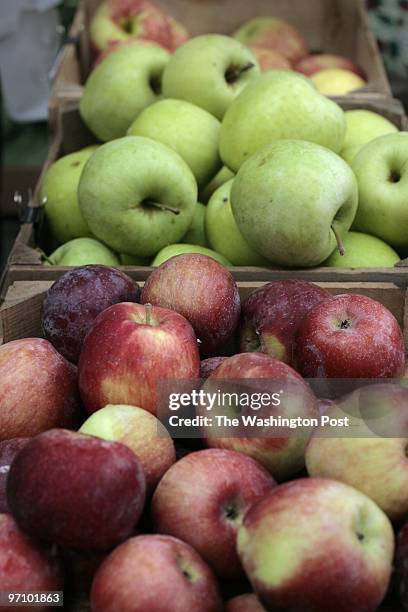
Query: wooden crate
point(25, 259)
point(332, 26)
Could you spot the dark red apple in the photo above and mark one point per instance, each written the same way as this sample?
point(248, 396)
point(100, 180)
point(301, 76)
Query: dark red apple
point(271, 316)
point(202, 500)
point(8, 450)
point(203, 291)
point(350, 336)
point(80, 569)
point(208, 366)
point(155, 573)
point(25, 565)
point(38, 389)
point(72, 303)
point(76, 490)
point(129, 349)
point(401, 567)
point(257, 373)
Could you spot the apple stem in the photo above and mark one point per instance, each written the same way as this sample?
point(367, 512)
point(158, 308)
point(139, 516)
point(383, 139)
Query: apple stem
point(148, 310)
point(149, 203)
point(339, 241)
point(233, 74)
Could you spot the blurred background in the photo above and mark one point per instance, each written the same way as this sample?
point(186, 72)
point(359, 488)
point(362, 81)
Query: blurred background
point(31, 34)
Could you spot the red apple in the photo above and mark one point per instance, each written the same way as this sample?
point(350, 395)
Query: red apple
point(203, 291)
point(202, 500)
point(76, 490)
point(38, 389)
point(72, 303)
point(350, 336)
point(8, 450)
point(244, 603)
point(315, 544)
point(268, 59)
point(25, 565)
point(154, 573)
point(401, 567)
point(141, 432)
point(129, 349)
point(283, 456)
point(272, 314)
point(116, 21)
point(321, 61)
point(208, 366)
point(273, 33)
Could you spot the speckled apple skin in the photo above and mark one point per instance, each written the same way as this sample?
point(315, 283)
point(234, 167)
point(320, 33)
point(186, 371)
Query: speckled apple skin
point(76, 490)
point(371, 346)
point(8, 450)
point(203, 291)
point(208, 366)
point(123, 360)
point(38, 389)
point(210, 481)
point(148, 574)
point(25, 565)
point(72, 303)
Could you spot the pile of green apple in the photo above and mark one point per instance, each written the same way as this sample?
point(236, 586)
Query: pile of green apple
point(203, 152)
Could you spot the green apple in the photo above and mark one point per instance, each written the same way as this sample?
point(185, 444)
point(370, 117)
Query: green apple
point(209, 71)
point(223, 176)
point(279, 104)
point(59, 196)
point(292, 200)
point(363, 251)
point(81, 252)
point(381, 168)
point(137, 195)
point(122, 85)
point(196, 233)
point(179, 249)
point(188, 129)
point(349, 153)
point(223, 233)
point(134, 260)
point(364, 126)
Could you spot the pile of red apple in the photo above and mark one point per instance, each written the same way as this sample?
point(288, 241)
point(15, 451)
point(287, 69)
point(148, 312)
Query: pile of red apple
point(142, 524)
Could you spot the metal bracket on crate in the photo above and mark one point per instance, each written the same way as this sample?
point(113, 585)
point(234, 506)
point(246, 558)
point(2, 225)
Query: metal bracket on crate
point(27, 213)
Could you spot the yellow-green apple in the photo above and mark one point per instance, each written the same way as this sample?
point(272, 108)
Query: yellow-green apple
point(38, 389)
point(209, 71)
point(221, 486)
point(349, 153)
point(315, 62)
point(304, 544)
point(203, 291)
point(141, 432)
point(364, 126)
point(210, 364)
point(59, 196)
point(337, 81)
point(75, 299)
point(224, 175)
point(82, 252)
point(279, 104)
point(269, 59)
point(117, 21)
point(8, 450)
point(223, 233)
point(144, 201)
point(277, 449)
point(382, 174)
point(248, 602)
point(272, 314)
point(401, 567)
point(123, 84)
point(153, 573)
point(371, 456)
point(75, 490)
point(187, 129)
point(350, 336)
point(26, 565)
point(115, 366)
point(293, 200)
point(363, 251)
point(273, 33)
point(196, 232)
point(173, 250)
